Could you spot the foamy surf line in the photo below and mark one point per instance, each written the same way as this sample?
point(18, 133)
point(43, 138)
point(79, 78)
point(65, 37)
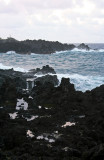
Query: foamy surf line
point(10, 67)
point(81, 83)
point(80, 50)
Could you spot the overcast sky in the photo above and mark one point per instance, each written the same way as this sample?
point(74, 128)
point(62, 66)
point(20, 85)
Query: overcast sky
point(57, 20)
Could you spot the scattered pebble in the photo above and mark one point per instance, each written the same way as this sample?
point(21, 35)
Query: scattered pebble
point(68, 124)
point(51, 140)
point(46, 138)
point(56, 132)
point(40, 137)
point(32, 118)
point(65, 149)
point(13, 115)
point(30, 97)
point(1, 107)
point(82, 116)
point(21, 104)
point(30, 134)
point(47, 108)
point(39, 107)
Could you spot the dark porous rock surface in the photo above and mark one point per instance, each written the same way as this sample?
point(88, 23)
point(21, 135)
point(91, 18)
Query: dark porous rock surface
point(49, 122)
point(83, 46)
point(48, 79)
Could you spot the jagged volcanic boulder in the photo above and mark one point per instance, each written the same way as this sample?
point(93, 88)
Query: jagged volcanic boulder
point(45, 93)
point(66, 85)
point(48, 79)
point(17, 77)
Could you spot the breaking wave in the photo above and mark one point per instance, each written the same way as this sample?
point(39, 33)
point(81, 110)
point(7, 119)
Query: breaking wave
point(10, 52)
point(83, 83)
point(80, 50)
point(10, 67)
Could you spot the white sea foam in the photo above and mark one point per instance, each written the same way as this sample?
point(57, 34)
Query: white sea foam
point(101, 50)
point(10, 67)
point(88, 51)
point(83, 83)
point(34, 54)
point(78, 50)
point(10, 52)
point(82, 50)
point(5, 67)
point(58, 52)
point(19, 69)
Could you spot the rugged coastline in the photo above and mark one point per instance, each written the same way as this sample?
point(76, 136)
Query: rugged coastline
point(36, 46)
point(41, 121)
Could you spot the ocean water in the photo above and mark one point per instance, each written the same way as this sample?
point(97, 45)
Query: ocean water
point(84, 68)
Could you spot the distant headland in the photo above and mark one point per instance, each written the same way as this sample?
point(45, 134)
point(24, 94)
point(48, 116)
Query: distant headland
point(36, 46)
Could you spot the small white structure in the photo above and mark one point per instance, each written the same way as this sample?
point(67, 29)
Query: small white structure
point(30, 134)
point(68, 124)
point(21, 104)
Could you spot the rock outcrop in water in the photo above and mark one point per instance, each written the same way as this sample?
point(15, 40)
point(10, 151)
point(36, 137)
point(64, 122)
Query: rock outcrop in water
point(33, 46)
point(83, 46)
point(48, 122)
point(36, 46)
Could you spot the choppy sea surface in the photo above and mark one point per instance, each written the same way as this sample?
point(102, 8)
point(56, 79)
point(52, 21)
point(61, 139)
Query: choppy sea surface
point(84, 68)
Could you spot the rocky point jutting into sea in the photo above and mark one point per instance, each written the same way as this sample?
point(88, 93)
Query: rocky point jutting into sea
point(42, 119)
point(36, 46)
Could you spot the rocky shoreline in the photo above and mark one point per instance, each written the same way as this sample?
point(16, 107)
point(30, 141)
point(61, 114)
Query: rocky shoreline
point(41, 120)
point(36, 46)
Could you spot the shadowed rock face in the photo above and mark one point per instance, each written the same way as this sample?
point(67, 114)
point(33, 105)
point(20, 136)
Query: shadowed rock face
point(42, 131)
point(33, 46)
